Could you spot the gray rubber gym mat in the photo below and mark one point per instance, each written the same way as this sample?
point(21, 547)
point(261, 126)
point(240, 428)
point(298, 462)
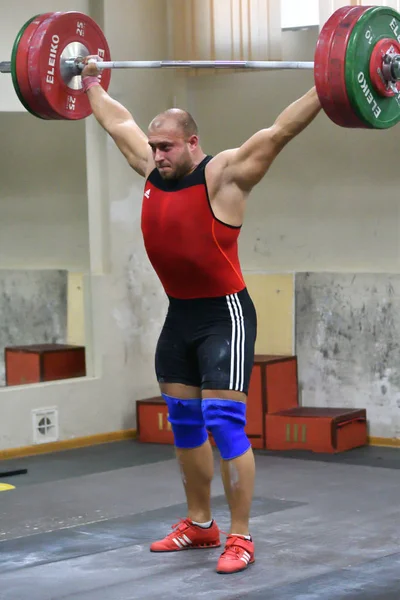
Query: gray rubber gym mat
point(322, 532)
point(130, 453)
point(83, 461)
point(371, 456)
point(129, 574)
point(375, 580)
point(103, 536)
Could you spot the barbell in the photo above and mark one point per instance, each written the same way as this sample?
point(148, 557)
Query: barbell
point(356, 65)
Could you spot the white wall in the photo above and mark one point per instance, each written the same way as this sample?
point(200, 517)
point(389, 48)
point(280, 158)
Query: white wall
point(137, 301)
point(329, 202)
point(125, 305)
point(43, 208)
point(43, 195)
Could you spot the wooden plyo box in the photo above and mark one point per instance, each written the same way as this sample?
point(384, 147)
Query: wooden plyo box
point(273, 387)
point(43, 362)
point(329, 430)
point(152, 425)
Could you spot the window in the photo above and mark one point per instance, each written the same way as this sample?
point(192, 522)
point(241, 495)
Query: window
point(299, 13)
point(226, 29)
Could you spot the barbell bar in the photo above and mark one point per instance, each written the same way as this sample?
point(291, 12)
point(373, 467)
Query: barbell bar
point(74, 66)
point(356, 65)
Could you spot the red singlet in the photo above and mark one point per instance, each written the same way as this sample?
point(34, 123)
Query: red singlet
point(194, 254)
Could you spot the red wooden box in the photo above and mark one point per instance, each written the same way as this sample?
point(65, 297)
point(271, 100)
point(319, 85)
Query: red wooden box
point(152, 425)
point(273, 387)
point(43, 362)
point(328, 430)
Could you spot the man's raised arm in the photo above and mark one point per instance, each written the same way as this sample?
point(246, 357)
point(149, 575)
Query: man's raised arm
point(248, 164)
point(117, 121)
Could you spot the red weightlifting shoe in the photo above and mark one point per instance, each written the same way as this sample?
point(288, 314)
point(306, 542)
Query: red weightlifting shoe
point(237, 556)
point(186, 535)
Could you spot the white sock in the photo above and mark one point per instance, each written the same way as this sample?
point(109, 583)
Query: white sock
point(203, 525)
point(246, 537)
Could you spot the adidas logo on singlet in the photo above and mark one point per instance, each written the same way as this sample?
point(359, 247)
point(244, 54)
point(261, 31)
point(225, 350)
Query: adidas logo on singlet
point(147, 193)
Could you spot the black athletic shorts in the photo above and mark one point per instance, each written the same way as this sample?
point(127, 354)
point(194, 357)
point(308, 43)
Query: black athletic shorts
point(208, 342)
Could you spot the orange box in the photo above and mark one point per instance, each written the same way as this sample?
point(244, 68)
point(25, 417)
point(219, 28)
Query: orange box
point(273, 387)
point(43, 362)
point(329, 430)
point(153, 426)
point(274, 382)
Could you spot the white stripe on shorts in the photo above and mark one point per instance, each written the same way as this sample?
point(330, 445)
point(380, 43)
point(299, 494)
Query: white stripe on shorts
point(236, 380)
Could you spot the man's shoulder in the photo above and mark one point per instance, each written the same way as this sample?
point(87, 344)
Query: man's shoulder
point(222, 158)
point(216, 168)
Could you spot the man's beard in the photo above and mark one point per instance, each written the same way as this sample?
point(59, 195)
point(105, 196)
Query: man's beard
point(173, 174)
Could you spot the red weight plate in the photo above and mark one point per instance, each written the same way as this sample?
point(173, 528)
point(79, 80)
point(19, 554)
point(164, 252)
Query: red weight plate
point(59, 36)
point(329, 70)
point(36, 103)
point(321, 58)
point(383, 47)
point(342, 112)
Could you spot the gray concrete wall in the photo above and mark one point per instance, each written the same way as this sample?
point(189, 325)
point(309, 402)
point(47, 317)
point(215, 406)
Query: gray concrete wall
point(33, 309)
point(348, 344)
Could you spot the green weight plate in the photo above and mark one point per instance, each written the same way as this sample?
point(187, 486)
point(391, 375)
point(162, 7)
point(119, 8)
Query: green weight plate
point(375, 110)
point(14, 67)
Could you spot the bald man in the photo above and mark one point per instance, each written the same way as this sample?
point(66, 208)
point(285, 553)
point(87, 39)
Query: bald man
point(193, 209)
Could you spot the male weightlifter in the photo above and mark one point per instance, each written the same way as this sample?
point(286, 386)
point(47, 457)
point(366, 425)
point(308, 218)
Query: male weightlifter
point(192, 212)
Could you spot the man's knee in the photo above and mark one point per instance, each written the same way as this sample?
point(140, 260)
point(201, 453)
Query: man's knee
point(187, 422)
point(226, 420)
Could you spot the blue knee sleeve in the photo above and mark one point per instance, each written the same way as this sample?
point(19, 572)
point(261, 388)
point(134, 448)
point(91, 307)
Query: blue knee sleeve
point(226, 419)
point(186, 418)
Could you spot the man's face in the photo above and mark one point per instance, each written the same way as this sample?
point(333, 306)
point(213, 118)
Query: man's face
point(172, 153)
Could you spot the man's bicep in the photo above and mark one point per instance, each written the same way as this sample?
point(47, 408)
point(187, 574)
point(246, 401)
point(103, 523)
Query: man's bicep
point(251, 161)
point(133, 144)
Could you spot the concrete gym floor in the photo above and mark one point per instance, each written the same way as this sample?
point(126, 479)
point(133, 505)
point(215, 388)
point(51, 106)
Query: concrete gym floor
point(79, 523)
